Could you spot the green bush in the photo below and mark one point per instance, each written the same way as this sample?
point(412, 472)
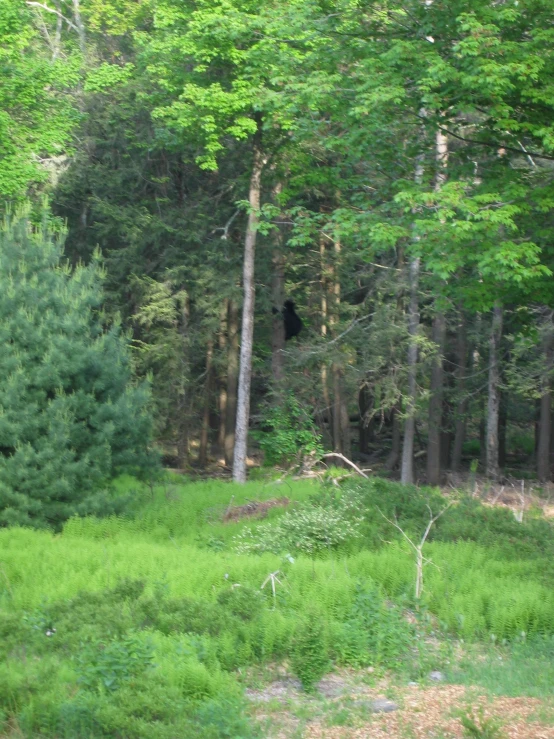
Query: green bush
point(106, 666)
point(289, 433)
point(224, 719)
point(310, 530)
point(71, 418)
point(243, 602)
point(310, 651)
point(374, 633)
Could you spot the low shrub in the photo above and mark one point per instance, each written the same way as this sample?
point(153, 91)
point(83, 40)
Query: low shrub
point(310, 651)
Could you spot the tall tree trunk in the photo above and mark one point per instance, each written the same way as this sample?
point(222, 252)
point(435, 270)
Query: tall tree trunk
point(183, 402)
point(324, 277)
point(407, 469)
point(324, 320)
point(493, 405)
point(392, 460)
point(278, 328)
point(232, 380)
point(222, 376)
point(205, 430)
point(365, 431)
point(545, 418)
point(461, 406)
point(439, 332)
point(247, 332)
point(341, 421)
point(435, 403)
point(502, 428)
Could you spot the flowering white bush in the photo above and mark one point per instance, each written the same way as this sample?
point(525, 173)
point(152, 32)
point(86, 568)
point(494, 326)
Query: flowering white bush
point(309, 530)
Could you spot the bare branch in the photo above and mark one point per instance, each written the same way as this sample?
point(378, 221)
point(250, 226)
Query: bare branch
point(344, 459)
point(34, 4)
point(227, 226)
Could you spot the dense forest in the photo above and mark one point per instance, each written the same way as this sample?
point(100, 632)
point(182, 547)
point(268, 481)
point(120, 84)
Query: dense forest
point(388, 167)
point(307, 245)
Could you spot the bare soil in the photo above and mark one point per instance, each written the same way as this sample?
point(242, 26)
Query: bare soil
point(342, 709)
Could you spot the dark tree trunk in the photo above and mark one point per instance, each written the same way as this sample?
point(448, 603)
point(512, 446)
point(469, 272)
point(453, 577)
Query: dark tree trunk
point(232, 380)
point(493, 405)
point(435, 403)
point(391, 462)
point(205, 430)
point(461, 406)
point(365, 426)
point(324, 278)
point(278, 297)
point(545, 418)
point(222, 376)
point(183, 402)
point(502, 427)
point(407, 471)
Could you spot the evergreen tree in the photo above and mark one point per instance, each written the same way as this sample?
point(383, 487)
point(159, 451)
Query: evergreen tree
point(69, 417)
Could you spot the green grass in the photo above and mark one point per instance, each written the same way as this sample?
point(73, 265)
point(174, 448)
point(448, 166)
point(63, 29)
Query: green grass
point(525, 668)
point(158, 603)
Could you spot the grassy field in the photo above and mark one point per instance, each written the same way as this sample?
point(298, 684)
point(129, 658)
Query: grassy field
point(149, 624)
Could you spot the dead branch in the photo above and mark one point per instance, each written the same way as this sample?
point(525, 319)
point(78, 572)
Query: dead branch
point(344, 459)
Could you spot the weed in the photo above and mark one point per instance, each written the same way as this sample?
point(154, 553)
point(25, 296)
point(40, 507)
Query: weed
point(479, 727)
point(106, 666)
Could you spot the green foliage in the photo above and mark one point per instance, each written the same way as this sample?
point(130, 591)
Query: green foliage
point(524, 667)
point(375, 633)
point(243, 602)
point(310, 651)
point(37, 112)
point(224, 719)
point(311, 530)
point(479, 727)
point(70, 418)
point(289, 433)
point(107, 666)
point(129, 628)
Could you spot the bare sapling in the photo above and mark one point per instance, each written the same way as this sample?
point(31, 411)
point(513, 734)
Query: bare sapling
point(421, 561)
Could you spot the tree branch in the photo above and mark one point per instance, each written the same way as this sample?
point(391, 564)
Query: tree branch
point(34, 4)
point(344, 459)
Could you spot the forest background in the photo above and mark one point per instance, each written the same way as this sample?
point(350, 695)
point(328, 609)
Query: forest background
point(388, 166)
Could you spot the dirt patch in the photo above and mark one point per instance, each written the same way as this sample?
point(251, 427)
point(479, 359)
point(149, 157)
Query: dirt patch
point(434, 712)
point(420, 712)
point(254, 509)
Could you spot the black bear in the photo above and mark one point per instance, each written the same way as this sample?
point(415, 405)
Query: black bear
point(291, 319)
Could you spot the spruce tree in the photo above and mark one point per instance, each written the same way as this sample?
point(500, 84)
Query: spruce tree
point(70, 417)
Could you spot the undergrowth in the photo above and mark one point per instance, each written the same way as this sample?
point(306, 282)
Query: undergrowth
point(139, 626)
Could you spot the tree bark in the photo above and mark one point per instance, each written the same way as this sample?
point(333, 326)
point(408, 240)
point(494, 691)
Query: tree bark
point(341, 421)
point(502, 428)
point(493, 405)
point(435, 403)
point(247, 332)
point(222, 376)
point(205, 430)
point(278, 328)
point(183, 402)
point(407, 470)
point(461, 407)
point(365, 431)
point(545, 417)
point(324, 320)
point(394, 454)
point(232, 380)
point(439, 332)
